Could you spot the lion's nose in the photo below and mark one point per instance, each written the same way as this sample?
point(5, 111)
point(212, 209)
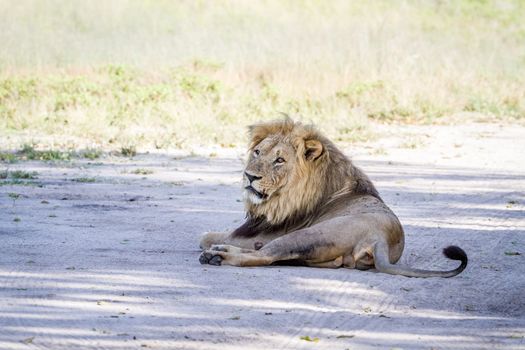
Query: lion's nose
point(251, 177)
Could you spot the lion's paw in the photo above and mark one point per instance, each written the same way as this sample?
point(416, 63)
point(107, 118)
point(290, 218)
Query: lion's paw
point(210, 258)
point(220, 247)
point(226, 248)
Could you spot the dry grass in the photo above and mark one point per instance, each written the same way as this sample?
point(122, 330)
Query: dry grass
point(168, 74)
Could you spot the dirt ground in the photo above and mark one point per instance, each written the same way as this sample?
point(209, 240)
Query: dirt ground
point(94, 256)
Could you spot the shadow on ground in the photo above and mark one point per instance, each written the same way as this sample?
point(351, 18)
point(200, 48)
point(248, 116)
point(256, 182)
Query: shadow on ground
point(113, 264)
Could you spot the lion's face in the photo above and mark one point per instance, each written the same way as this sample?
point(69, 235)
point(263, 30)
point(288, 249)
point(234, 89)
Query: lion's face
point(270, 166)
point(284, 174)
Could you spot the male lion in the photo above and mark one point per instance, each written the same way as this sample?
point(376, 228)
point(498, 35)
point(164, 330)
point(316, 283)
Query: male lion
point(307, 204)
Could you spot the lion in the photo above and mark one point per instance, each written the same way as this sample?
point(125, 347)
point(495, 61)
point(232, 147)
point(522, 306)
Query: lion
point(308, 204)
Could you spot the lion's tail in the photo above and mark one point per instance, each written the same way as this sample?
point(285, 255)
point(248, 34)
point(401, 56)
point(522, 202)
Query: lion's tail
point(382, 263)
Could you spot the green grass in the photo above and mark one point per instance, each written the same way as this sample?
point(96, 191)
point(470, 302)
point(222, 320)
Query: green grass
point(142, 171)
point(91, 154)
point(158, 74)
point(16, 182)
point(13, 196)
point(85, 180)
point(28, 152)
point(8, 157)
point(26, 175)
point(128, 151)
point(19, 178)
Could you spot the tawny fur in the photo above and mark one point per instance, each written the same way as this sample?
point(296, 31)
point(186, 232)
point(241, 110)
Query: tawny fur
point(312, 185)
point(306, 202)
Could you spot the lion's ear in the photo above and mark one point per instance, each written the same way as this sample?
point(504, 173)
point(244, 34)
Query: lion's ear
point(313, 149)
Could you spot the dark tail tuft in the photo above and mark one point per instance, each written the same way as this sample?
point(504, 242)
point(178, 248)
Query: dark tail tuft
point(456, 253)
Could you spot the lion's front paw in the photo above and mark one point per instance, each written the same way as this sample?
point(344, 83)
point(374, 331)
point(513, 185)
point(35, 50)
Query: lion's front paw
point(220, 247)
point(208, 257)
point(229, 249)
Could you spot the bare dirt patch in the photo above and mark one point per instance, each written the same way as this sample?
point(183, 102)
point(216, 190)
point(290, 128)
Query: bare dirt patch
point(111, 261)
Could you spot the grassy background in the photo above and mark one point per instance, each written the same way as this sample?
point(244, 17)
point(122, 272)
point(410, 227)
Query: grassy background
point(170, 74)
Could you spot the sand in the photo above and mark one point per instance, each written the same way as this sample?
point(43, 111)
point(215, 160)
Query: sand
point(113, 264)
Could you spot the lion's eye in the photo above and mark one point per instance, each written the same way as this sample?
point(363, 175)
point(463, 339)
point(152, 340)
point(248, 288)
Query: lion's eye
point(279, 160)
point(256, 152)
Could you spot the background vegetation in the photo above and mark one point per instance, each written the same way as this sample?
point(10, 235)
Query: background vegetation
point(165, 74)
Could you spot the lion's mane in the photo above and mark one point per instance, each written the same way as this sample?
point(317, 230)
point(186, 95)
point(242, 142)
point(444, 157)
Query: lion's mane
point(313, 189)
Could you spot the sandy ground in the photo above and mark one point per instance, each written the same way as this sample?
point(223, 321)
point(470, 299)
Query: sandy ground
point(113, 264)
